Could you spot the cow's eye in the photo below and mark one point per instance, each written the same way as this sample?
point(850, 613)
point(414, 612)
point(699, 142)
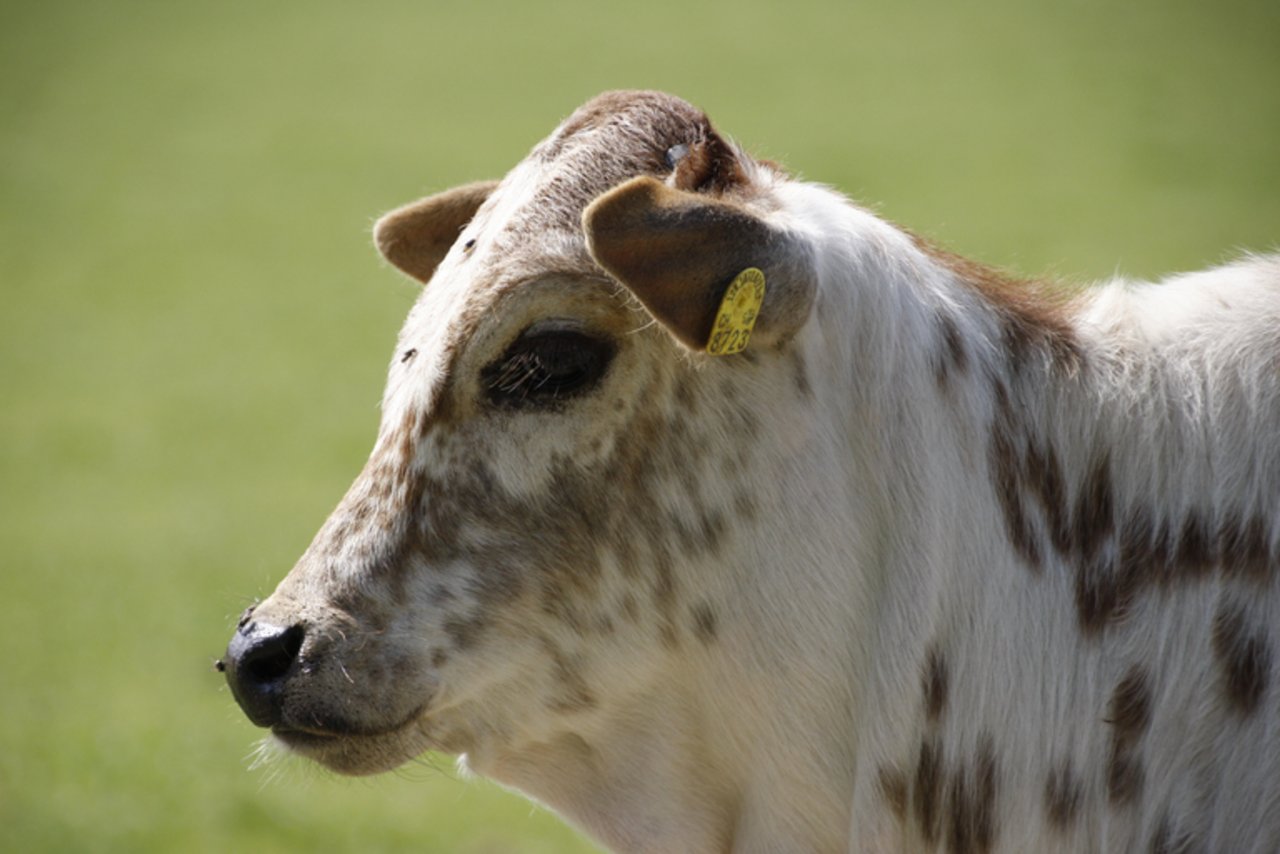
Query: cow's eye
point(543, 369)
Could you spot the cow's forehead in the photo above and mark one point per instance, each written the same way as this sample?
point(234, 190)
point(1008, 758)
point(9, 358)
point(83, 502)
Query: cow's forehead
point(612, 138)
point(530, 227)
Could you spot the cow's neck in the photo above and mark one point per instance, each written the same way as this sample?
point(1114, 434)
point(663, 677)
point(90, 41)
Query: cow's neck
point(682, 768)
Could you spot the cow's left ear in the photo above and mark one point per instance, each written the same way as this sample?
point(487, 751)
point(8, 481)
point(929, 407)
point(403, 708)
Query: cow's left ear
point(679, 251)
point(416, 237)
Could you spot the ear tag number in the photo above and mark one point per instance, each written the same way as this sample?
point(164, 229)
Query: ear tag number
point(737, 315)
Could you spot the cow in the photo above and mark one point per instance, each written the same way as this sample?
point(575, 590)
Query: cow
point(718, 514)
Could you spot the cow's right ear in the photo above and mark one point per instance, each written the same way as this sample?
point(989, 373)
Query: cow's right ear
point(416, 237)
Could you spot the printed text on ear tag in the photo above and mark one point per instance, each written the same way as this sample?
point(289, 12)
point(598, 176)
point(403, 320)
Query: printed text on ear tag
point(737, 315)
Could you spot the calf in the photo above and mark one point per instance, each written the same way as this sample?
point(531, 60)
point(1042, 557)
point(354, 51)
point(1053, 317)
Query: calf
point(718, 514)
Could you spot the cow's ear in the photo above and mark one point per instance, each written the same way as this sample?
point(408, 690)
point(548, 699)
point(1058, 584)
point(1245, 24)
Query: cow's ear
point(416, 237)
point(679, 251)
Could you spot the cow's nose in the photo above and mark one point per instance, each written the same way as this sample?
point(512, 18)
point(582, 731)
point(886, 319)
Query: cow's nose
point(259, 660)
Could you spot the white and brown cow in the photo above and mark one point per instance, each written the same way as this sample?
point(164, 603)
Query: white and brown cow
point(940, 562)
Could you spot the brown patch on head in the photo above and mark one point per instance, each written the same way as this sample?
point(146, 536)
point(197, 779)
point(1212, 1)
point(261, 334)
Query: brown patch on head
point(1244, 658)
point(567, 612)
point(705, 537)
point(893, 788)
point(614, 137)
point(464, 633)
point(570, 691)
point(1062, 795)
point(708, 164)
point(935, 685)
point(685, 394)
point(630, 119)
point(663, 596)
point(704, 623)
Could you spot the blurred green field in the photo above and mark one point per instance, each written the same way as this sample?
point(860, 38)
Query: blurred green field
point(194, 327)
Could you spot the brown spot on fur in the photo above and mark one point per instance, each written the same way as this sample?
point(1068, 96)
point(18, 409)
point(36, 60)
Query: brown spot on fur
point(1143, 553)
point(1124, 774)
point(1033, 317)
point(1003, 460)
point(935, 685)
point(1195, 547)
point(439, 658)
point(926, 793)
point(1115, 553)
point(893, 788)
point(706, 537)
point(971, 804)
point(1094, 519)
point(704, 623)
point(555, 604)
point(1062, 795)
point(686, 399)
point(1244, 550)
point(1243, 657)
point(1098, 597)
point(1043, 473)
point(952, 357)
point(1129, 712)
point(571, 691)
point(709, 165)
point(464, 633)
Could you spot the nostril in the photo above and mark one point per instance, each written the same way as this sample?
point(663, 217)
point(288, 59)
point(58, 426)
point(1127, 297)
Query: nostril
point(271, 659)
point(258, 666)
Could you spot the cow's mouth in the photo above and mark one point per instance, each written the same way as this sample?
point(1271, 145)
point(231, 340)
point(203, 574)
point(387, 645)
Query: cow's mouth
point(300, 739)
point(357, 749)
point(356, 753)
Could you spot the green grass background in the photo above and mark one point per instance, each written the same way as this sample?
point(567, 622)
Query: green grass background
point(194, 327)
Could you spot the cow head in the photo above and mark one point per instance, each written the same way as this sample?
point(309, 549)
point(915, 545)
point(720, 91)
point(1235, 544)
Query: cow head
point(555, 515)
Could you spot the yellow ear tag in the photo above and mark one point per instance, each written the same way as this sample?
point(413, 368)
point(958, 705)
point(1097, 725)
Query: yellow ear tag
point(737, 315)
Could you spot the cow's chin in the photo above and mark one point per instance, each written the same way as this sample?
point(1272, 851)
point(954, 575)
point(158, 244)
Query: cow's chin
point(356, 755)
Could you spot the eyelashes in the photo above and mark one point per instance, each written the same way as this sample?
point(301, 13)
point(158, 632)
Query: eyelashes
point(542, 370)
